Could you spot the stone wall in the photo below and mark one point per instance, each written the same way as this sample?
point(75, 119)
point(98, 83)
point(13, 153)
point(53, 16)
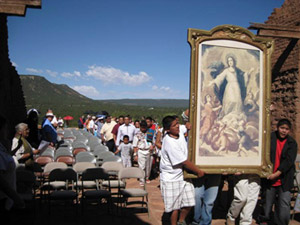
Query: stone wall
point(285, 68)
point(12, 104)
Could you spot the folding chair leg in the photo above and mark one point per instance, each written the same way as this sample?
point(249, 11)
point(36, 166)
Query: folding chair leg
point(147, 206)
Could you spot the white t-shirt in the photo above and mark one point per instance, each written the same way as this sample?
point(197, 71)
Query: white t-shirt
point(91, 124)
point(126, 150)
point(182, 129)
point(173, 153)
point(124, 129)
point(54, 120)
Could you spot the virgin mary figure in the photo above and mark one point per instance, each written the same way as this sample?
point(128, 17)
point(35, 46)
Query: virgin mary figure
point(231, 88)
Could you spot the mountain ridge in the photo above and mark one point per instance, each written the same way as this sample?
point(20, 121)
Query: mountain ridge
point(41, 94)
point(36, 89)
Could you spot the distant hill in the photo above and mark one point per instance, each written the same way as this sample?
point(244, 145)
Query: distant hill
point(41, 94)
point(151, 102)
point(38, 89)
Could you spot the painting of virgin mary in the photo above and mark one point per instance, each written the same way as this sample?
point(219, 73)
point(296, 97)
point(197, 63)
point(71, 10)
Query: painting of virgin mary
point(230, 77)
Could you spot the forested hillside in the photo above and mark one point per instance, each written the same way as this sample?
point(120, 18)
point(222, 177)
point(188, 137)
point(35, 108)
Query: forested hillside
point(41, 94)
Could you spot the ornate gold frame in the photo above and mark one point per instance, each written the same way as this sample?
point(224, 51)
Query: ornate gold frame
point(239, 34)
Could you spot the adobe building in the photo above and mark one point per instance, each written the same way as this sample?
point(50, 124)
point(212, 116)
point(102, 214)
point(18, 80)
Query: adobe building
point(12, 103)
point(283, 25)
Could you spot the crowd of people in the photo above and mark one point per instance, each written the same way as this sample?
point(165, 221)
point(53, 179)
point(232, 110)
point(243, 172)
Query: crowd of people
point(179, 196)
point(159, 150)
point(135, 141)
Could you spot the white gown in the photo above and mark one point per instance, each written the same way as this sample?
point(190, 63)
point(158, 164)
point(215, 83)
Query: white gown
point(232, 99)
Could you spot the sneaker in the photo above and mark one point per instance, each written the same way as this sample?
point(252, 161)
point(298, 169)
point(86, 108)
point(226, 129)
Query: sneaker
point(142, 184)
point(148, 181)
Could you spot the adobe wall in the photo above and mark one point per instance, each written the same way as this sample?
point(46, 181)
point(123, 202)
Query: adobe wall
point(285, 68)
point(12, 103)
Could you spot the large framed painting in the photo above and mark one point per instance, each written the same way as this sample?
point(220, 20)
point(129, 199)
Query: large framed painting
point(229, 101)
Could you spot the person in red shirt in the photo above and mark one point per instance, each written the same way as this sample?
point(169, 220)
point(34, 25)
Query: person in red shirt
point(281, 181)
point(116, 127)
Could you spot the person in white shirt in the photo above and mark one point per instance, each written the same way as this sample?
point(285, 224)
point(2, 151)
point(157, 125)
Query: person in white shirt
point(107, 135)
point(126, 129)
point(22, 150)
point(142, 151)
point(183, 128)
point(126, 151)
point(178, 195)
point(91, 125)
point(54, 121)
point(60, 122)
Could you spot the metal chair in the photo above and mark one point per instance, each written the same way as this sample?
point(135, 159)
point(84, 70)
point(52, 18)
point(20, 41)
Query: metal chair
point(95, 175)
point(48, 152)
point(43, 160)
point(113, 158)
point(82, 139)
point(26, 187)
point(101, 156)
point(126, 193)
point(67, 193)
point(113, 168)
point(63, 152)
point(68, 159)
point(79, 167)
point(98, 150)
point(55, 184)
point(85, 157)
point(80, 147)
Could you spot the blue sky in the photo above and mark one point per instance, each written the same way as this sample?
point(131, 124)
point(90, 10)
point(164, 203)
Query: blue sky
point(121, 48)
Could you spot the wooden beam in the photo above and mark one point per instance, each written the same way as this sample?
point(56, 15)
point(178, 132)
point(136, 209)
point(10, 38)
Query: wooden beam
point(18, 7)
point(281, 34)
point(12, 9)
point(271, 30)
point(273, 27)
point(22, 2)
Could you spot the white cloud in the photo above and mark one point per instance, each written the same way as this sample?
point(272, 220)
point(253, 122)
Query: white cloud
point(69, 75)
point(110, 75)
point(14, 64)
point(162, 88)
point(88, 91)
point(154, 87)
point(33, 70)
point(77, 73)
point(52, 73)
